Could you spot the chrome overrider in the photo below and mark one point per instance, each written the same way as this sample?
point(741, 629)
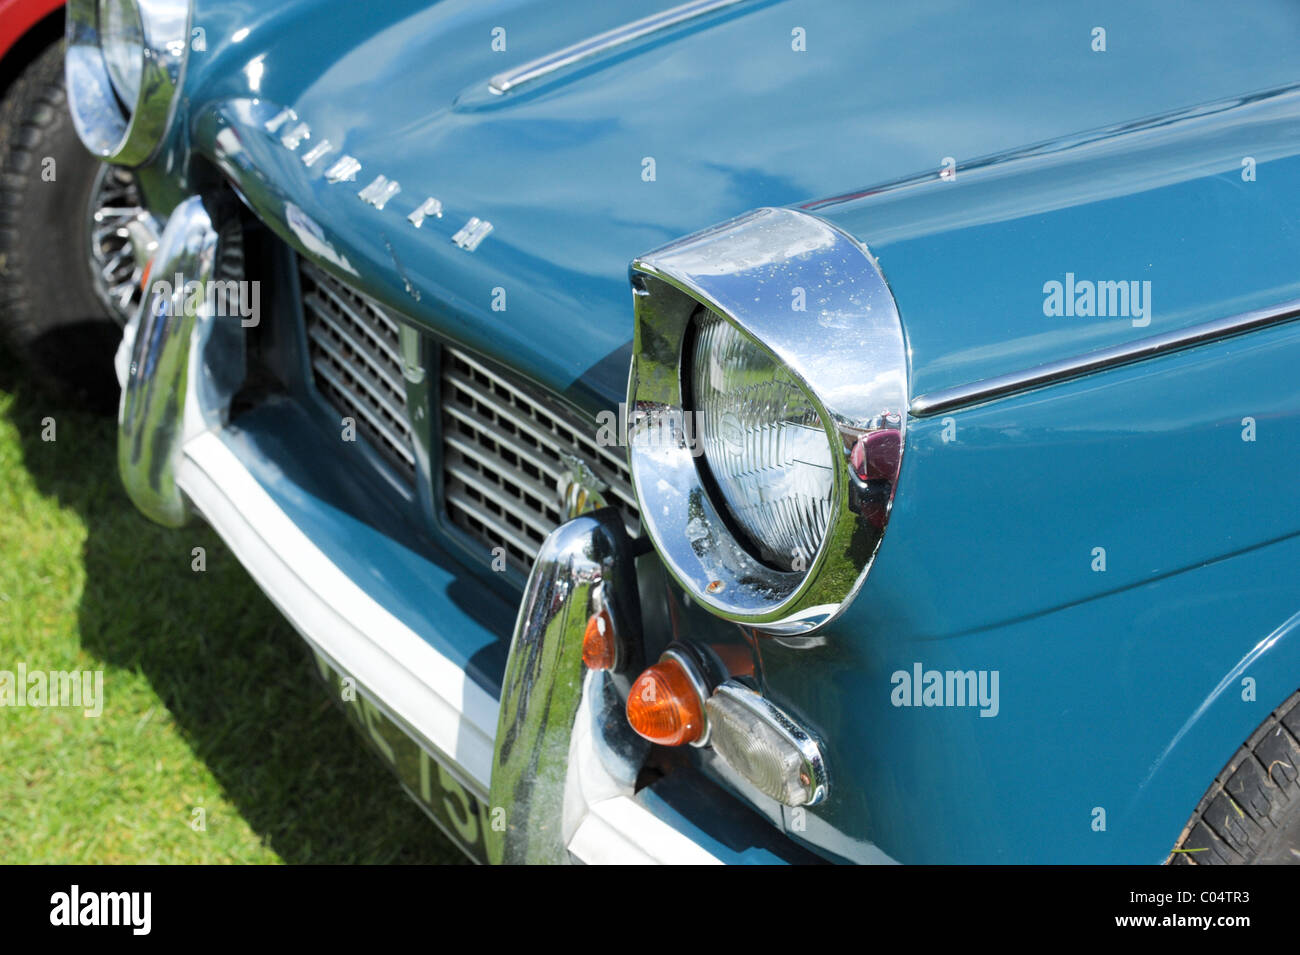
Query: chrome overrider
point(563, 766)
point(180, 362)
point(563, 744)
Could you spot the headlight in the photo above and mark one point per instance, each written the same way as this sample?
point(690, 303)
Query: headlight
point(121, 39)
point(124, 65)
point(763, 441)
point(767, 400)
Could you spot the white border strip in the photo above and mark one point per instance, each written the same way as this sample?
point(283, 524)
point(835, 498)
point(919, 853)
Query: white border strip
point(620, 831)
point(421, 686)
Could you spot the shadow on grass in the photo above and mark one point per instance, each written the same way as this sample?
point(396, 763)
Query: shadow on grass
point(235, 676)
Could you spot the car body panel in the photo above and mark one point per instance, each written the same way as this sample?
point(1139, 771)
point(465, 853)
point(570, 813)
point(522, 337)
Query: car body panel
point(989, 564)
point(1193, 206)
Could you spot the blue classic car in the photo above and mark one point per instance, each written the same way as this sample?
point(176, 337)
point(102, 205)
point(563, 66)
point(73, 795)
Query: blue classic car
point(674, 431)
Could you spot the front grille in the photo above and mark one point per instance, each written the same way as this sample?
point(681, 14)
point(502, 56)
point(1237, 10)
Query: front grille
point(506, 449)
point(356, 362)
point(503, 458)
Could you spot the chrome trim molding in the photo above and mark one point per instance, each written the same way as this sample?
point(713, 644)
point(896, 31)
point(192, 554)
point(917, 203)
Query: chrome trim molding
point(947, 399)
point(845, 348)
point(180, 363)
point(563, 744)
point(126, 137)
point(512, 79)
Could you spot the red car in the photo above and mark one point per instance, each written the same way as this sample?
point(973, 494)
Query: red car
point(69, 257)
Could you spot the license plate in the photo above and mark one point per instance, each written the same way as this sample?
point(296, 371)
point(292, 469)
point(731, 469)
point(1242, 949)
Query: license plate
point(425, 776)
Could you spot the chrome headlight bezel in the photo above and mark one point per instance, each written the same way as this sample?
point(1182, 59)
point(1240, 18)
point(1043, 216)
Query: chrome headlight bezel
point(126, 136)
point(845, 348)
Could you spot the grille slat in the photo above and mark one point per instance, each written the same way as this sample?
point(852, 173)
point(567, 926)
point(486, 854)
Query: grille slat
point(505, 439)
point(354, 304)
point(499, 412)
point(488, 463)
point(625, 497)
point(356, 362)
point(379, 363)
point(470, 514)
point(572, 437)
point(344, 393)
point(506, 454)
point(395, 410)
point(475, 484)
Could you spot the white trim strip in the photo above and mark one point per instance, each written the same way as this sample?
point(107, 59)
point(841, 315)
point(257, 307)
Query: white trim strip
point(620, 831)
point(421, 686)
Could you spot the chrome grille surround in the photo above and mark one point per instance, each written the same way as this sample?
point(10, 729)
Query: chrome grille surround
point(504, 451)
point(357, 365)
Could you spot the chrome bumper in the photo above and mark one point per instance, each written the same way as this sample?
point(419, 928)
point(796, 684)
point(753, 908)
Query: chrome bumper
point(557, 775)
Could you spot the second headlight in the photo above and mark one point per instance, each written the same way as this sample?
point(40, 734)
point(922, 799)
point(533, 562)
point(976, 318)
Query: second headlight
point(121, 40)
point(124, 66)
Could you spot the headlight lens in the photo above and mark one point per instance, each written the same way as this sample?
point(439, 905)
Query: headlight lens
point(121, 39)
point(764, 444)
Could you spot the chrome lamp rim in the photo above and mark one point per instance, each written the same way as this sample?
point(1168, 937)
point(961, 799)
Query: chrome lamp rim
point(119, 136)
point(845, 347)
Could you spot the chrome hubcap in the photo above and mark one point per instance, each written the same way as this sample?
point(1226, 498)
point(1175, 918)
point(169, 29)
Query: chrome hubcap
point(121, 236)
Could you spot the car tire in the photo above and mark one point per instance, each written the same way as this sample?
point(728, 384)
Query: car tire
point(1251, 814)
point(51, 314)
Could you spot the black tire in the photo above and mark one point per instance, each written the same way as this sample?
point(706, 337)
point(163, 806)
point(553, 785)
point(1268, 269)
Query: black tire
point(1251, 814)
point(50, 314)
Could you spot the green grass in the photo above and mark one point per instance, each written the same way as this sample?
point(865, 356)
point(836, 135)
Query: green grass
point(210, 697)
